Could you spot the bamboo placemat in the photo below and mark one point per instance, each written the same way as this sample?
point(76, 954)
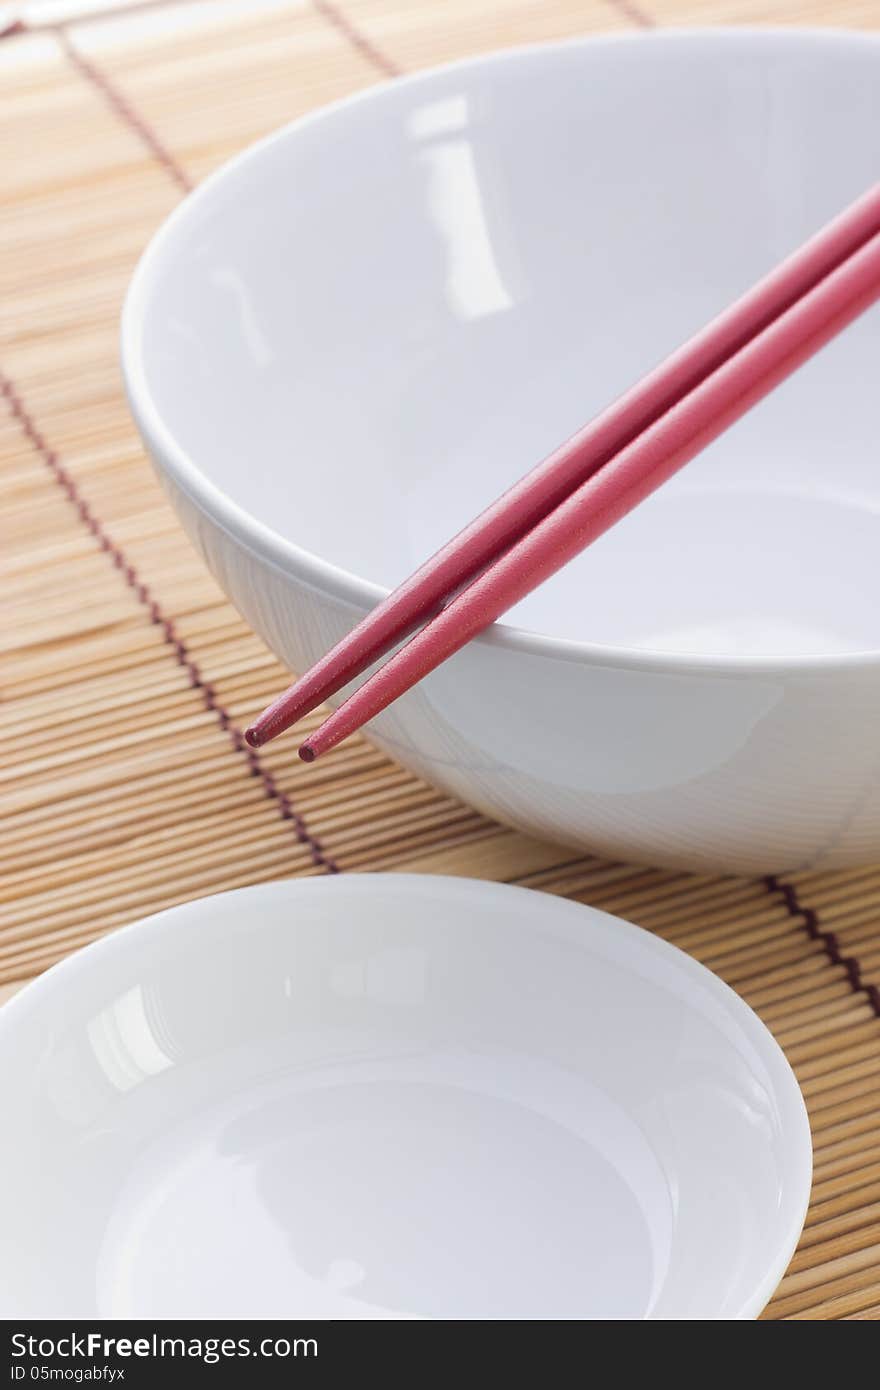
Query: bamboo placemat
point(148, 795)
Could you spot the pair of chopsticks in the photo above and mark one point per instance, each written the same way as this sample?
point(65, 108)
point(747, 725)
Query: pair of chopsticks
point(593, 480)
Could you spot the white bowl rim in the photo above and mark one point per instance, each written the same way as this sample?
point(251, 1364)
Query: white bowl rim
point(166, 923)
point(294, 560)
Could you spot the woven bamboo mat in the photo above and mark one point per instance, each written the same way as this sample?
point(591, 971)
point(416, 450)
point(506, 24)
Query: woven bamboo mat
point(147, 796)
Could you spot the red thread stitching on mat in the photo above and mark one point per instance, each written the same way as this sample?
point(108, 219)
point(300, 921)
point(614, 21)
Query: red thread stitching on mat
point(126, 112)
point(629, 10)
point(142, 593)
point(809, 919)
point(124, 109)
point(365, 46)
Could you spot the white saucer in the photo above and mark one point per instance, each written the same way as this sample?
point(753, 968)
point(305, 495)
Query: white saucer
point(393, 1096)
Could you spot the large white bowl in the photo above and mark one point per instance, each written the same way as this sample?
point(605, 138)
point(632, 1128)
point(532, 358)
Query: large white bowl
point(361, 330)
point(393, 1096)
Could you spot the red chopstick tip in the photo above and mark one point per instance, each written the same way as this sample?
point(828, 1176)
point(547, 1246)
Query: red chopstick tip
point(253, 736)
point(307, 753)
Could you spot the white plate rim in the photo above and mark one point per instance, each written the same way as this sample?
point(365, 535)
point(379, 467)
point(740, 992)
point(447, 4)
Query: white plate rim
point(584, 921)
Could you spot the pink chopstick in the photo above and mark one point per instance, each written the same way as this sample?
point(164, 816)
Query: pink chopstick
point(620, 485)
point(517, 511)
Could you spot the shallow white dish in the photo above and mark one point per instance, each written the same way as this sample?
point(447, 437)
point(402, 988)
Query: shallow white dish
point(392, 1096)
point(360, 331)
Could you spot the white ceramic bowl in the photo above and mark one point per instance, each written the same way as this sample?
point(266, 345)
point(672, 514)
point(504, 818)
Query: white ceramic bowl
point(361, 330)
point(393, 1096)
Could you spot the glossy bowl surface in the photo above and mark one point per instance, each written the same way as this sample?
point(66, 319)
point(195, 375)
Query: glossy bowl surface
point(357, 333)
point(393, 1096)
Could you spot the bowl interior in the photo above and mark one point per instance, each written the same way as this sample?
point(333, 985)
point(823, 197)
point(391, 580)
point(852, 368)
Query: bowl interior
point(393, 1096)
point(368, 327)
